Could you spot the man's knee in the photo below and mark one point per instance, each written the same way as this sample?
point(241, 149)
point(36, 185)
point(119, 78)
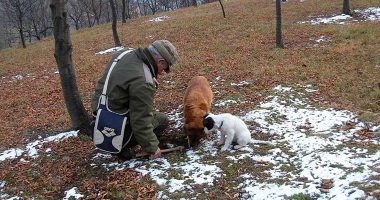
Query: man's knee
point(161, 122)
point(160, 119)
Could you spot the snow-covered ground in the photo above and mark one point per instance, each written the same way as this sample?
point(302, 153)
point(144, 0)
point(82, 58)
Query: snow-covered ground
point(159, 19)
point(317, 148)
point(317, 144)
point(368, 14)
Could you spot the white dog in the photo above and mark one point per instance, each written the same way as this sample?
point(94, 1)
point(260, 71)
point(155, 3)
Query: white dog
point(232, 129)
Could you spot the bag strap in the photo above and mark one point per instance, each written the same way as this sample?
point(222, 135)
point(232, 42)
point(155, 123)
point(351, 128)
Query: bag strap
point(104, 93)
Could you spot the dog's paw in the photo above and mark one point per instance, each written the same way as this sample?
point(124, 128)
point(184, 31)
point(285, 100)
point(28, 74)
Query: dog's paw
point(236, 147)
point(223, 149)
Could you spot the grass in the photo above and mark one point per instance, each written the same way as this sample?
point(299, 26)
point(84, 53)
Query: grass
point(300, 196)
point(368, 117)
point(371, 148)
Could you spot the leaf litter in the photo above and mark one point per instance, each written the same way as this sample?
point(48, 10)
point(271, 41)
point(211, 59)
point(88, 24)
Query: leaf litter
point(317, 142)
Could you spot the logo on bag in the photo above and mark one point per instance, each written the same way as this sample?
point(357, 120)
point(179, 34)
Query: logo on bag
point(109, 132)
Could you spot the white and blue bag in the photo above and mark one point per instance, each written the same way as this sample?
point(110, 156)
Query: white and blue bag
point(109, 130)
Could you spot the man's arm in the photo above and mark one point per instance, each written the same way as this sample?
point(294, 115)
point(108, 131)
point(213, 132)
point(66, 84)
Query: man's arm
point(141, 115)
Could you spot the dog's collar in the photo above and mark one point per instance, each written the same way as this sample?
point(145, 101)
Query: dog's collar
point(221, 124)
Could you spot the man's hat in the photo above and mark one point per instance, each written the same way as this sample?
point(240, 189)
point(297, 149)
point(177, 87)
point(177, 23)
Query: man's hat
point(167, 50)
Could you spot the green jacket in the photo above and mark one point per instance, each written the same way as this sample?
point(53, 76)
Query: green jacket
point(131, 86)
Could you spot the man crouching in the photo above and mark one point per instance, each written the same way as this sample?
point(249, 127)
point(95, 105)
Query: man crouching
point(130, 87)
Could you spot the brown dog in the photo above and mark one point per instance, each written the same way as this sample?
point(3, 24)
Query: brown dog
point(197, 102)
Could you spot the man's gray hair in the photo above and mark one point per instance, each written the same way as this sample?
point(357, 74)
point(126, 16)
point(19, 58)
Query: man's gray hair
point(154, 52)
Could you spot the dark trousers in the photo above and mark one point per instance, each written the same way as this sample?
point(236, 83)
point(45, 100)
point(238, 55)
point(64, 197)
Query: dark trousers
point(160, 123)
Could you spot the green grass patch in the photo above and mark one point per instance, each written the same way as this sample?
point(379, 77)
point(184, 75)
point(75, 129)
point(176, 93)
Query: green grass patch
point(357, 33)
point(372, 148)
point(285, 149)
point(300, 196)
point(368, 117)
point(288, 168)
point(230, 169)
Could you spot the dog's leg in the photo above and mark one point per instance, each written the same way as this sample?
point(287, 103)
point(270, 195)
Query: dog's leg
point(222, 138)
point(228, 142)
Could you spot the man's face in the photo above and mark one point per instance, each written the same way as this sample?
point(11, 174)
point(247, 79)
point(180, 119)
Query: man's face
point(162, 66)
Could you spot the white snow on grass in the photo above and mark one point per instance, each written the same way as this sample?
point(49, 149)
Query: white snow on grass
point(223, 103)
point(241, 83)
point(310, 139)
point(368, 14)
point(320, 40)
point(177, 116)
point(336, 19)
point(313, 143)
point(32, 148)
point(112, 50)
point(176, 176)
point(17, 77)
point(319, 148)
point(72, 193)
point(4, 195)
point(159, 19)
point(10, 154)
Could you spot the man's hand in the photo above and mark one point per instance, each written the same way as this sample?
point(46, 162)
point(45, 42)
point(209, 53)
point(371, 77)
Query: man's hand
point(156, 154)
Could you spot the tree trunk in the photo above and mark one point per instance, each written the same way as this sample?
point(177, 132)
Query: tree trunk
point(128, 9)
point(123, 13)
point(114, 25)
point(79, 118)
point(36, 32)
point(224, 14)
point(346, 7)
point(22, 38)
point(279, 43)
point(194, 2)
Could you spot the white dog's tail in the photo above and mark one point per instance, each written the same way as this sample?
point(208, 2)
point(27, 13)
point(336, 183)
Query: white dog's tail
point(252, 141)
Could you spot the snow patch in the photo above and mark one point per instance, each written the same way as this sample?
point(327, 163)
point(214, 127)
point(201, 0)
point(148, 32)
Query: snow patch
point(159, 19)
point(32, 148)
point(370, 14)
point(72, 193)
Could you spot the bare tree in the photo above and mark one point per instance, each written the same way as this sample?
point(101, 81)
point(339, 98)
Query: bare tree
point(75, 11)
point(123, 13)
point(3, 38)
point(16, 12)
point(221, 5)
point(38, 19)
point(153, 6)
point(114, 24)
point(96, 7)
point(166, 4)
point(194, 2)
point(63, 50)
point(346, 7)
point(279, 43)
point(93, 10)
point(128, 11)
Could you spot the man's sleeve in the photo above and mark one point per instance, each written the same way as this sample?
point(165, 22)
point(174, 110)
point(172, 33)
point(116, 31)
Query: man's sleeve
point(141, 115)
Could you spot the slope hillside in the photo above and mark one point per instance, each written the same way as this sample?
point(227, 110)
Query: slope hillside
point(340, 61)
